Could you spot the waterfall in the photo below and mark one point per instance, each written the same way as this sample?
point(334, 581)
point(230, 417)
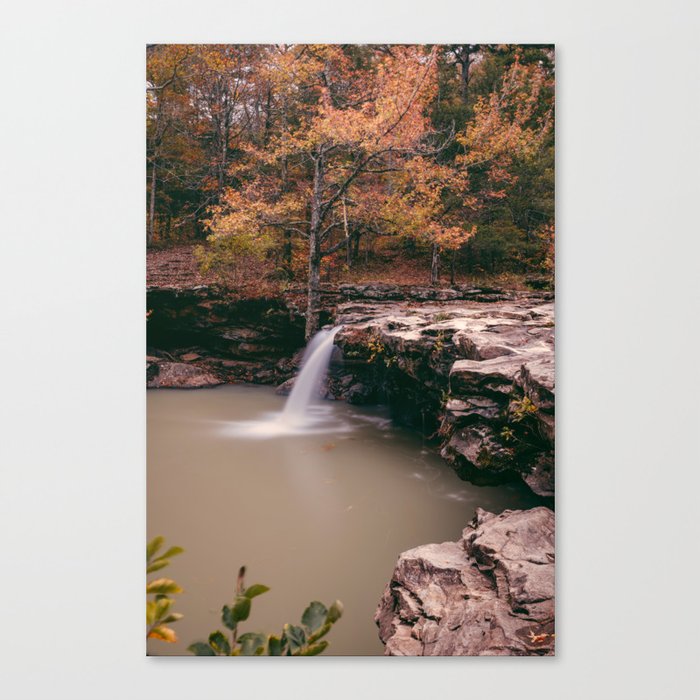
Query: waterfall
point(308, 381)
point(302, 414)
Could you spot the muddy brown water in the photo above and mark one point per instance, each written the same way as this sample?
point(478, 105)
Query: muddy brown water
point(314, 517)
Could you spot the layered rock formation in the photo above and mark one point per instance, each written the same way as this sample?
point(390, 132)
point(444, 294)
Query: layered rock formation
point(178, 375)
point(472, 366)
point(489, 594)
point(480, 375)
point(227, 339)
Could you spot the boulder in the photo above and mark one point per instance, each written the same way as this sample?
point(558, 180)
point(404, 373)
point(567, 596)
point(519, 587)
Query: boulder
point(359, 394)
point(489, 594)
point(485, 459)
point(179, 375)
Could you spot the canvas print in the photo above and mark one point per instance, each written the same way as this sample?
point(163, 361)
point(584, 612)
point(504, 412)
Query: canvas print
point(350, 361)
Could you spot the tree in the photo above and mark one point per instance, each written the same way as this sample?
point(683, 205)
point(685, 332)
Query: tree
point(288, 156)
point(350, 128)
point(164, 67)
point(507, 131)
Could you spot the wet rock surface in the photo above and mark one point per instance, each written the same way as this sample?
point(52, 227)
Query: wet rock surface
point(489, 594)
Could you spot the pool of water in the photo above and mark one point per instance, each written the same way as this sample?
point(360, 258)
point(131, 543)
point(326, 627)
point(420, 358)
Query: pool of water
point(315, 516)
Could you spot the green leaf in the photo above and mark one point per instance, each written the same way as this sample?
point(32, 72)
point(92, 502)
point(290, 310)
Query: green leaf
point(314, 616)
point(156, 565)
point(163, 586)
point(172, 552)
point(241, 608)
point(150, 612)
point(251, 642)
point(219, 643)
point(153, 546)
point(201, 649)
point(173, 617)
point(255, 590)
point(162, 607)
point(227, 617)
point(314, 649)
point(295, 636)
point(335, 613)
point(321, 632)
point(274, 646)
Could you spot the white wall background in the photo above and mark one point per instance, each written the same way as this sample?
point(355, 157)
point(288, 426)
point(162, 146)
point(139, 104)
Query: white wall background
point(72, 467)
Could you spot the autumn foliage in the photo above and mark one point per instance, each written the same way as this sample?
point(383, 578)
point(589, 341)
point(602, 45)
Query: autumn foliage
point(289, 160)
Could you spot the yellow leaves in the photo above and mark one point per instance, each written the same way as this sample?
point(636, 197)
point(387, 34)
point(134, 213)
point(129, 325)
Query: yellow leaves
point(162, 586)
point(158, 610)
point(165, 634)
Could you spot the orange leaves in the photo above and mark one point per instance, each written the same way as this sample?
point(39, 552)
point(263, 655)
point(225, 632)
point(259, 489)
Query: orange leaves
point(451, 237)
point(431, 201)
point(505, 125)
point(348, 149)
point(381, 108)
point(362, 123)
point(165, 634)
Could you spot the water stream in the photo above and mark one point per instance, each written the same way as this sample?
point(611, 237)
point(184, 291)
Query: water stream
point(303, 412)
point(316, 511)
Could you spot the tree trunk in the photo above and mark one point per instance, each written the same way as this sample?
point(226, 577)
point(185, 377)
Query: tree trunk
point(348, 240)
point(150, 234)
point(222, 165)
point(287, 253)
point(435, 266)
point(453, 266)
point(313, 308)
point(464, 74)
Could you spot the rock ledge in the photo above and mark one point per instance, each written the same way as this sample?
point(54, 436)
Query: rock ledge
point(490, 594)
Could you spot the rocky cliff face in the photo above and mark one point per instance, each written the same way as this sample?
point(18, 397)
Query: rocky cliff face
point(473, 367)
point(477, 374)
point(202, 336)
point(489, 594)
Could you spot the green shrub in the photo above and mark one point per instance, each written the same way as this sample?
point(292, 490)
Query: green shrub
point(294, 640)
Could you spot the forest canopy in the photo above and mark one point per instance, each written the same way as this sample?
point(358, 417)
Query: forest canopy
point(308, 162)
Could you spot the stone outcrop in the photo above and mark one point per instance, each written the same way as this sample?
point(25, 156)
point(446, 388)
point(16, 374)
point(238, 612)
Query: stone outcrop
point(478, 374)
point(178, 375)
point(489, 594)
point(232, 339)
point(394, 292)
